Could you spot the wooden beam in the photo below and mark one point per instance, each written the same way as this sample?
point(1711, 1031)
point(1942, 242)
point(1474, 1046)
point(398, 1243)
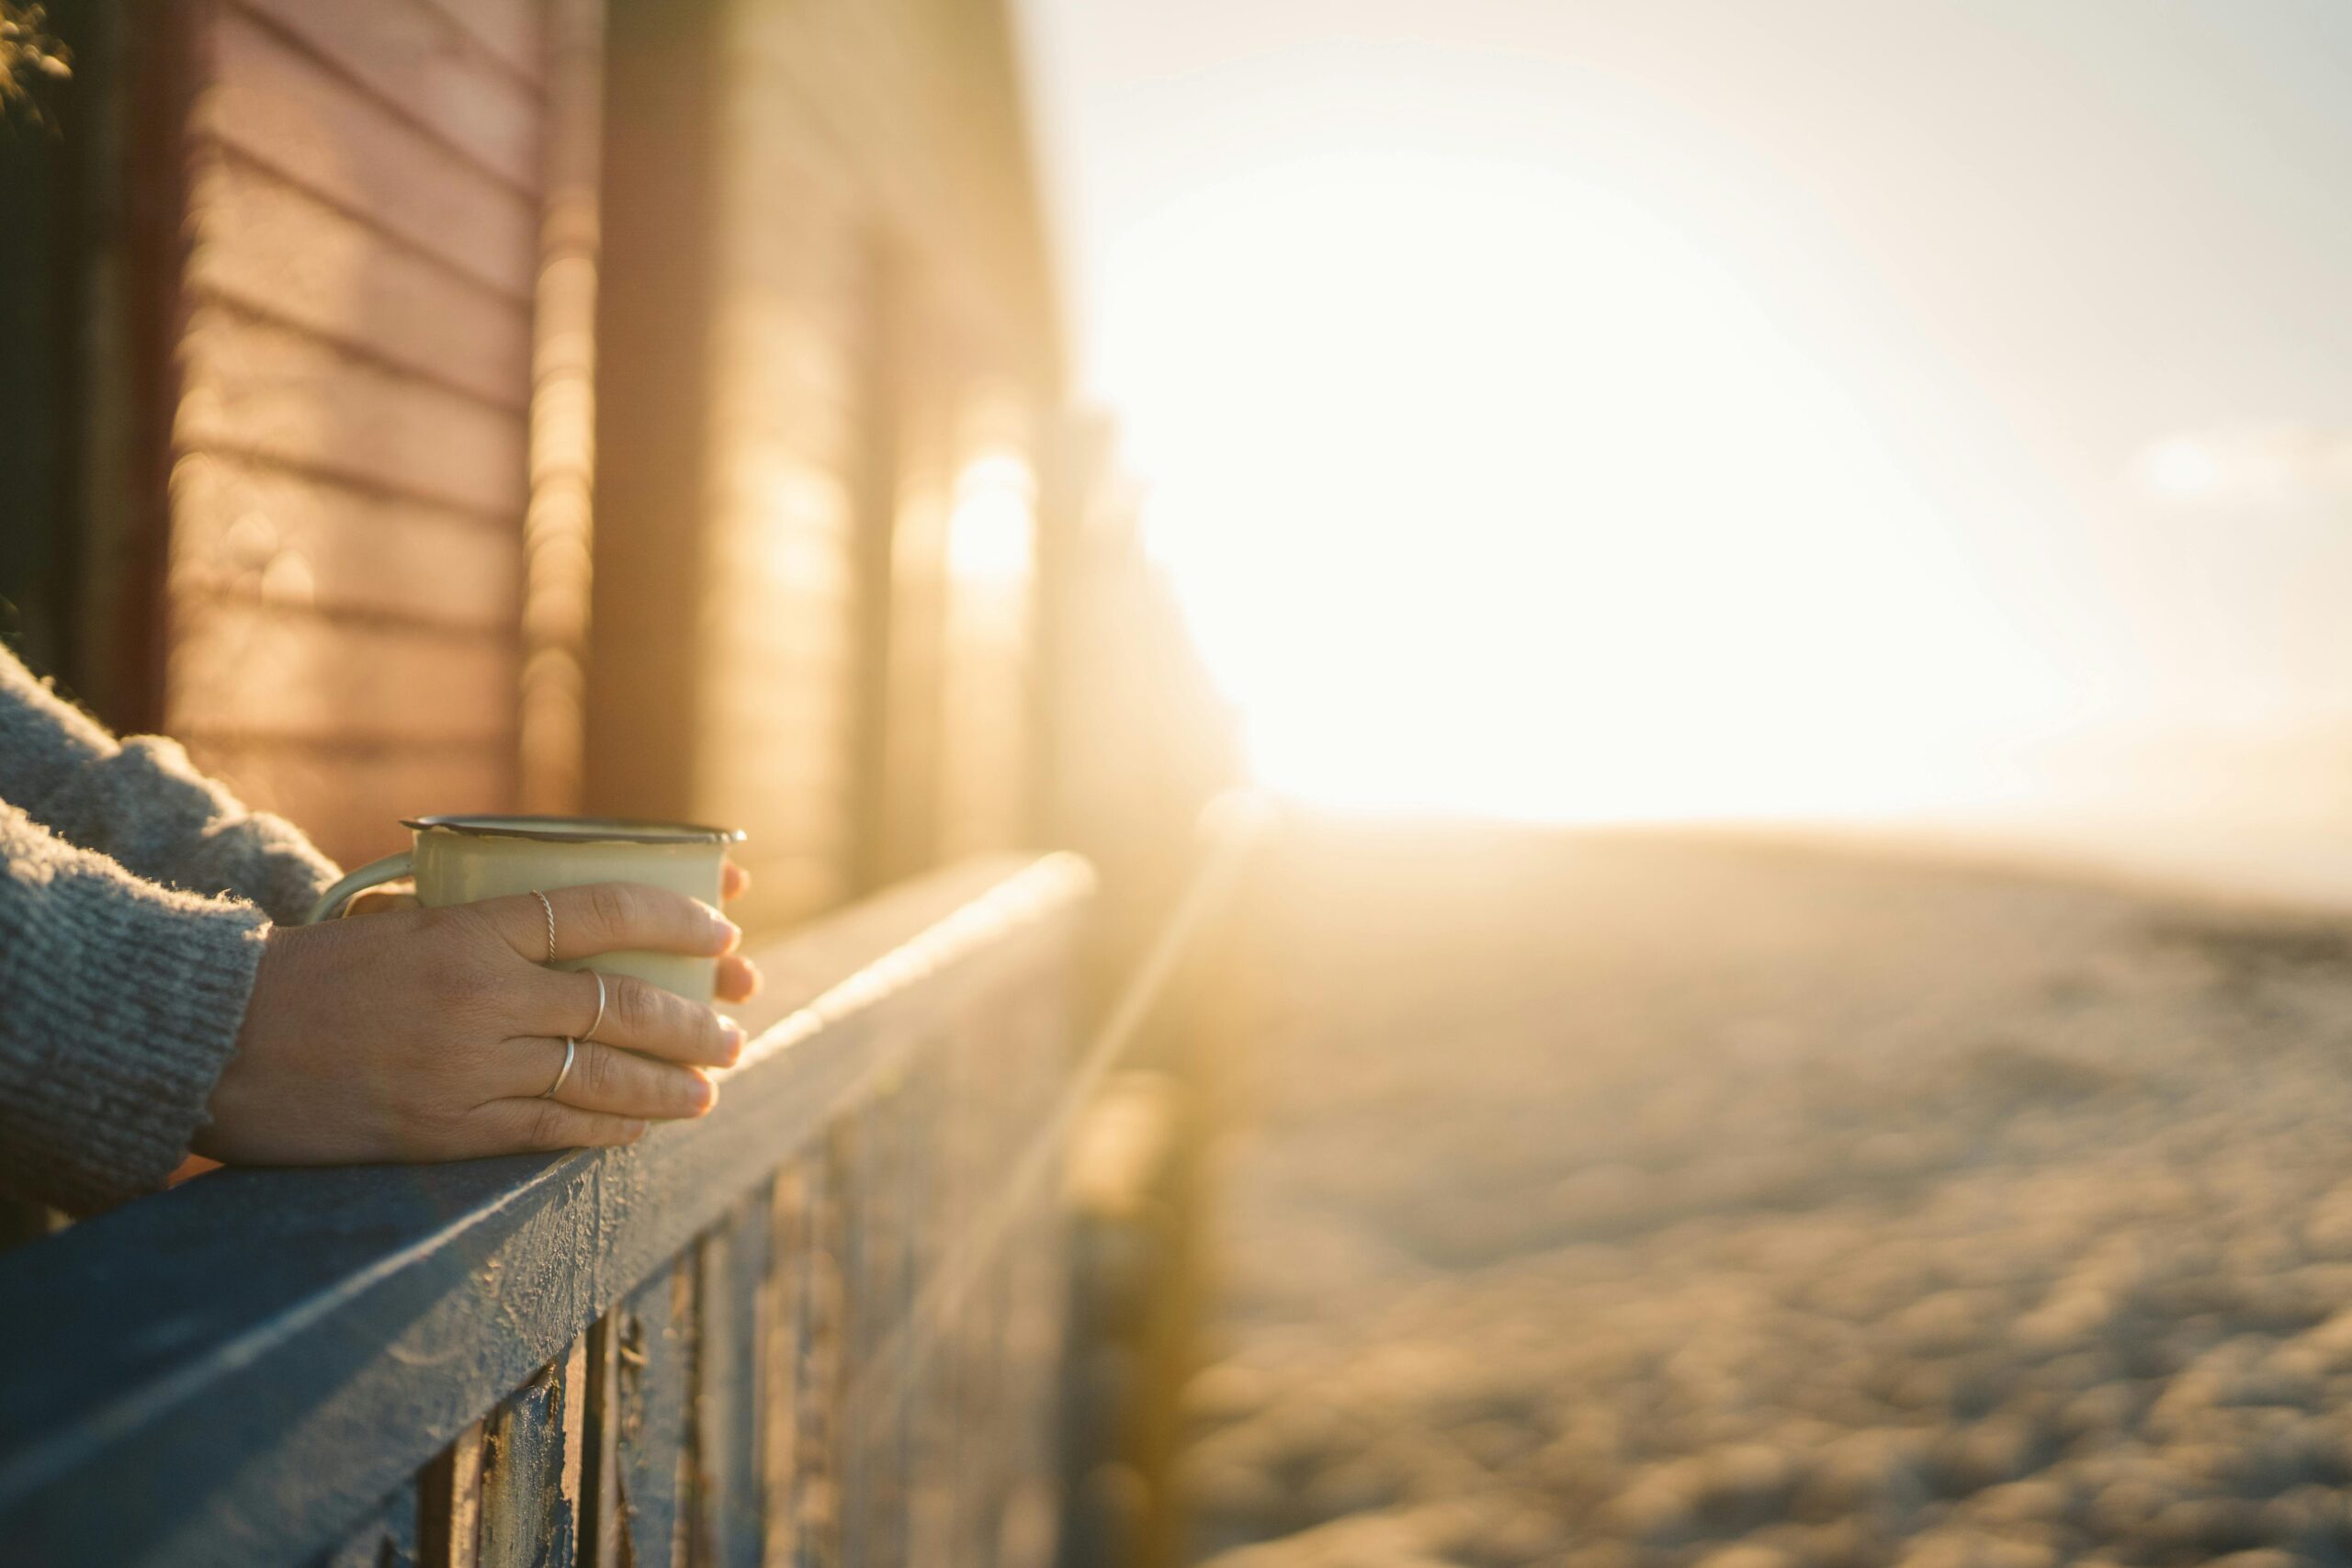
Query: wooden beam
point(654, 299)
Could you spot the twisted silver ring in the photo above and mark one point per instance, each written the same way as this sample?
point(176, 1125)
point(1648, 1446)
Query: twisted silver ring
point(571, 1050)
point(550, 909)
point(589, 1033)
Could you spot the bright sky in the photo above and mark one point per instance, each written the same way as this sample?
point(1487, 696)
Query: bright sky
point(1626, 408)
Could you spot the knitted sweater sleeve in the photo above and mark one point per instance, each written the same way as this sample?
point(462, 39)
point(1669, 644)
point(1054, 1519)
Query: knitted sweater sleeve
point(119, 1004)
point(142, 803)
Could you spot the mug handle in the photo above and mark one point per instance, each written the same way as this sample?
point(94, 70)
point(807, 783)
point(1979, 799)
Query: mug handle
point(391, 868)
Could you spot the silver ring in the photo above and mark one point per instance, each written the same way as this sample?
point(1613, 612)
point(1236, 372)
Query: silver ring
point(550, 909)
point(589, 1033)
point(571, 1050)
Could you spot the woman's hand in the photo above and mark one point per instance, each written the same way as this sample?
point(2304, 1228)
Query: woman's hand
point(430, 1033)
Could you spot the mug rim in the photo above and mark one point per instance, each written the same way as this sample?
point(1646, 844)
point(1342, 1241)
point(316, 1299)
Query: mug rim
point(569, 829)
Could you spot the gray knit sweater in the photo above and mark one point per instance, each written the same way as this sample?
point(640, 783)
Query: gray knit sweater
point(134, 893)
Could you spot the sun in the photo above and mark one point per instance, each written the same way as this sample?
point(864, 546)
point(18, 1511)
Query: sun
point(1490, 490)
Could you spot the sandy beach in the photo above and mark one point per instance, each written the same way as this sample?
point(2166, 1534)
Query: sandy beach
point(1624, 1200)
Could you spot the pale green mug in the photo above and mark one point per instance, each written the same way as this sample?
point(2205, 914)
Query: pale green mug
point(458, 860)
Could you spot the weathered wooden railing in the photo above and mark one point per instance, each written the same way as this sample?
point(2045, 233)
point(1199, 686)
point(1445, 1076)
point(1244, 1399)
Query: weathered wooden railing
point(821, 1325)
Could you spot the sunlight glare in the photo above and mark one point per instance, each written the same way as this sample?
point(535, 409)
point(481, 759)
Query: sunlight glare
point(992, 533)
point(1486, 490)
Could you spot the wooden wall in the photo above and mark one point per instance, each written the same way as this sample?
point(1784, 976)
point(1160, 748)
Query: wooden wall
point(622, 405)
point(825, 308)
point(351, 451)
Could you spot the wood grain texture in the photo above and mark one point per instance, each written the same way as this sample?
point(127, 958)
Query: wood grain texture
point(509, 29)
point(247, 671)
point(254, 388)
point(531, 1462)
point(279, 106)
point(786, 1343)
point(430, 69)
point(253, 531)
point(600, 1515)
point(350, 797)
point(653, 1468)
point(269, 246)
point(731, 1388)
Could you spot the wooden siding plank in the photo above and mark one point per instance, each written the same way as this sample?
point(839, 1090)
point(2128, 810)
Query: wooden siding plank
point(510, 29)
point(251, 531)
point(531, 1461)
point(731, 1387)
point(283, 109)
point(255, 388)
point(653, 1467)
point(243, 670)
point(422, 60)
point(276, 249)
point(350, 799)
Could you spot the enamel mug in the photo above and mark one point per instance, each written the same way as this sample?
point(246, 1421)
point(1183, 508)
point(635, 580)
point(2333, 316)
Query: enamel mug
point(459, 859)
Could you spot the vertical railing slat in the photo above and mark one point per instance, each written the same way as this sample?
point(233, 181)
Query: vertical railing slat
point(783, 1348)
point(652, 1377)
point(824, 1365)
point(927, 1437)
point(531, 1468)
point(600, 1526)
point(881, 1384)
point(854, 1197)
point(449, 1510)
point(1036, 1268)
point(729, 1386)
point(965, 1144)
point(825, 1439)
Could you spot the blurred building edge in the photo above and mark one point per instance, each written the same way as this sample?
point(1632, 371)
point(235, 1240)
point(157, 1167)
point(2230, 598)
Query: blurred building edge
point(644, 406)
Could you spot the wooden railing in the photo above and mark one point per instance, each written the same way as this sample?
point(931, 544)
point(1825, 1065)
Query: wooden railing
point(824, 1324)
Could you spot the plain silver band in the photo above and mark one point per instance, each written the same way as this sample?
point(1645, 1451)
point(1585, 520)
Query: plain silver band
point(550, 909)
point(589, 1033)
point(571, 1050)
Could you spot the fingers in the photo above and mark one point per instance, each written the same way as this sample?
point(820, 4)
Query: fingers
point(736, 880)
point(511, 1127)
point(605, 916)
point(739, 978)
point(639, 1015)
point(604, 1080)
